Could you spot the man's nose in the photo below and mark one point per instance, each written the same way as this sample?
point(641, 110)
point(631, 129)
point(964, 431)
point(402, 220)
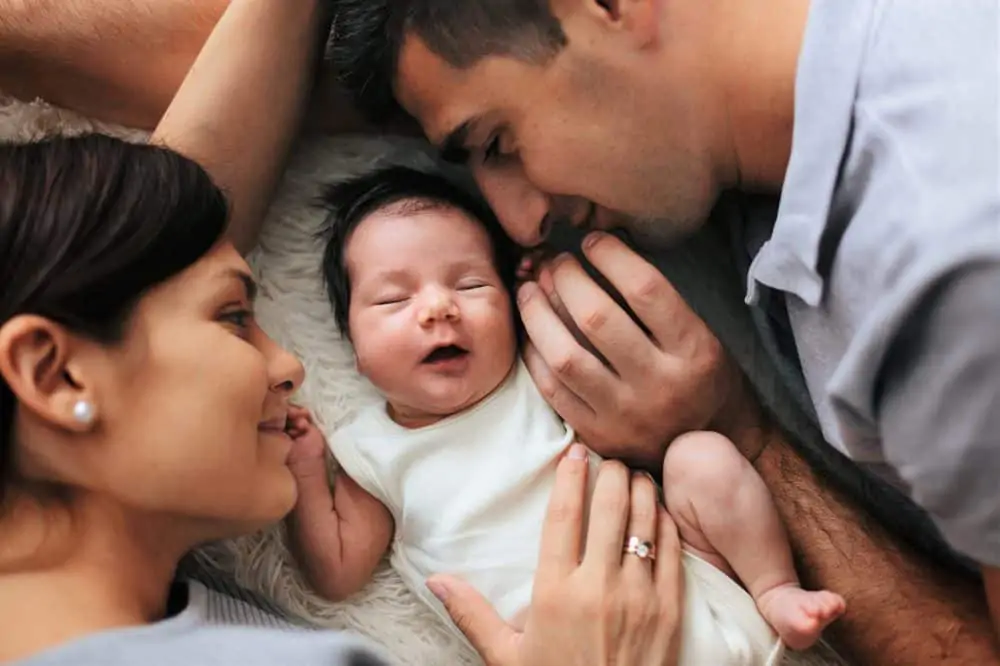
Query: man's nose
point(437, 305)
point(524, 211)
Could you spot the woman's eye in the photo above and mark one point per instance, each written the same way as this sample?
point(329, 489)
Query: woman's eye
point(239, 318)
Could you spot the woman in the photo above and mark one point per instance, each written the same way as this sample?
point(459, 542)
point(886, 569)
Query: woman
point(142, 410)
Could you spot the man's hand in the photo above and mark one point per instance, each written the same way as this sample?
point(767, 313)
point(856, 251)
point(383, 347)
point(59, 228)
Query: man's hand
point(653, 386)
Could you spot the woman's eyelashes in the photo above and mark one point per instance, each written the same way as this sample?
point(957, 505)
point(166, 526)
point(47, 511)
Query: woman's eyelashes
point(240, 318)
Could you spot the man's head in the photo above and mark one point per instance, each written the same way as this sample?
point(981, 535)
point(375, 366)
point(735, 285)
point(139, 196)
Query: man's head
point(420, 275)
point(602, 112)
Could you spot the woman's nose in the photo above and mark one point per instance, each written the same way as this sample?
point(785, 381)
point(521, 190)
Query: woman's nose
point(438, 305)
point(285, 370)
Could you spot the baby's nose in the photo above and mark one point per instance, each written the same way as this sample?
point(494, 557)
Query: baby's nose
point(439, 306)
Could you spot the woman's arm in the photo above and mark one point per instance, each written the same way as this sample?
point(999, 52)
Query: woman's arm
point(122, 61)
point(239, 108)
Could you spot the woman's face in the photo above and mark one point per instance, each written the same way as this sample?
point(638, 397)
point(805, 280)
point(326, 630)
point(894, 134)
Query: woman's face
point(191, 406)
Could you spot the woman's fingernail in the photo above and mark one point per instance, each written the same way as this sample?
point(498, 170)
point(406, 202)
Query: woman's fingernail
point(577, 452)
point(526, 291)
point(591, 239)
point(438, 590)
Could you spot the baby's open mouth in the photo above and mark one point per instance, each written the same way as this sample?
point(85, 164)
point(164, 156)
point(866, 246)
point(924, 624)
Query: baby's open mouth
point(445, 353)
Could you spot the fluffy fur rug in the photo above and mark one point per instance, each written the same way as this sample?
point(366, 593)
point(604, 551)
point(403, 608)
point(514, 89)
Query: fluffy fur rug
point(293, 308)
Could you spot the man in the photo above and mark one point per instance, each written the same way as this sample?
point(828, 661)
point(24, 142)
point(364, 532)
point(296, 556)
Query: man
point(878, 118)
point(649, 109)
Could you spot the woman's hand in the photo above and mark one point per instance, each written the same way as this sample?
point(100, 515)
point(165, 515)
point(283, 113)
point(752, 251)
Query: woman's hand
point(604, 608)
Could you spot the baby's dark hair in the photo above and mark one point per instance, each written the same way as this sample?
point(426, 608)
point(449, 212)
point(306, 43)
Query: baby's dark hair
point(351, 202)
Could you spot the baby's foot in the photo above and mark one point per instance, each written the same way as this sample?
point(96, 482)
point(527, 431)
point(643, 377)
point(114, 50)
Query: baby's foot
point(800, 616)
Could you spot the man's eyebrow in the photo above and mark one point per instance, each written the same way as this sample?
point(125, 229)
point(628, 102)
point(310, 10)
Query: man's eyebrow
point(249, 284)
point(454, 148)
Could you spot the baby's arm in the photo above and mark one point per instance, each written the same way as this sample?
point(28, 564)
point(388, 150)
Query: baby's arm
point(340, 535)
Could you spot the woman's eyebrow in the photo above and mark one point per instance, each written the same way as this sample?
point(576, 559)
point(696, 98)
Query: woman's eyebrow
point(245, 278)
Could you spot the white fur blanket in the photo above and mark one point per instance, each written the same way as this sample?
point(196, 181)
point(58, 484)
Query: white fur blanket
point(293, 308)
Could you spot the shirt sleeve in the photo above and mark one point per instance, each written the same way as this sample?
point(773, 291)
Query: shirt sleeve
point(939, 408)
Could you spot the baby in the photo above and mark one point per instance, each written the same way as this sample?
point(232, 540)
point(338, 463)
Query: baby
point(452, 473)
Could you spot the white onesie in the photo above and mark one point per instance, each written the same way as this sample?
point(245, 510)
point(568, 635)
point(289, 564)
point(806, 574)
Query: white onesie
point(469, 493)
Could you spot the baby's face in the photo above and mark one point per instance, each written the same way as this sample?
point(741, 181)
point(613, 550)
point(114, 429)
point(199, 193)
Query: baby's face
point(429, 315)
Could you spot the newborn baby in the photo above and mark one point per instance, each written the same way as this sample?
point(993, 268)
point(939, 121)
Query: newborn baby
point(452, 473)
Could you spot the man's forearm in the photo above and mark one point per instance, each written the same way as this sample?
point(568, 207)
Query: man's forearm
point(122, 61)
point(899, 609)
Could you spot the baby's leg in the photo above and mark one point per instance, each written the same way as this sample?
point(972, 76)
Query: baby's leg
point(722, 508)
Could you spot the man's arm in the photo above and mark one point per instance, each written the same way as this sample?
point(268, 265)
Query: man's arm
point(939, 404)
point(122, 61)
point(899, 609)
point(991, 580)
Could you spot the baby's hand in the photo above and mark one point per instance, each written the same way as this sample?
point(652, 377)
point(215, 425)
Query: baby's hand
point(309, 444)
point(531, 262)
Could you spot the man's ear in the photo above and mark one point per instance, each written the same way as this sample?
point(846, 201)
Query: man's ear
point(638, 20)
point(38, 362)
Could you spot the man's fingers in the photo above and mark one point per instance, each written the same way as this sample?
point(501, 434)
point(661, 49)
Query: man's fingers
point(650, 295)
point(602, 321)
point(493, 639)
point(575, 367)
point(609, 510)
point(562, 530)
point(567, 404)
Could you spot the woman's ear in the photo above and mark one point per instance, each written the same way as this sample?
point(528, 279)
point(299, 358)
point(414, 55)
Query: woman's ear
point(38, 361)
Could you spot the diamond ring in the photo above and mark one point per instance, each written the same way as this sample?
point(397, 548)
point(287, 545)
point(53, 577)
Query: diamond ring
point(644, 550)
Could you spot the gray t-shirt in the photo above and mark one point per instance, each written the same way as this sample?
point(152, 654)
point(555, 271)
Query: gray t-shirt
point(887, 249)
point(204, 633)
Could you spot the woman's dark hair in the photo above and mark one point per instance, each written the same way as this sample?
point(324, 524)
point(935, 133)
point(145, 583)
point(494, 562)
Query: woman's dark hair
point(87, 226)
point(352, 201)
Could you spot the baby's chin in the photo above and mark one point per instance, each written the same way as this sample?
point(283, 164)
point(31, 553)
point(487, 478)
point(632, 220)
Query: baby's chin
point(427, 409)
point(448, 405)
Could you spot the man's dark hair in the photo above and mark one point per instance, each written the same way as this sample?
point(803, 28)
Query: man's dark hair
point(87, 226)
point(352, 201)
point(368, 35)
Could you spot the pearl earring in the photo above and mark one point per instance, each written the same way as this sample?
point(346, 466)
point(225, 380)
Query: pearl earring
point(83, 412)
